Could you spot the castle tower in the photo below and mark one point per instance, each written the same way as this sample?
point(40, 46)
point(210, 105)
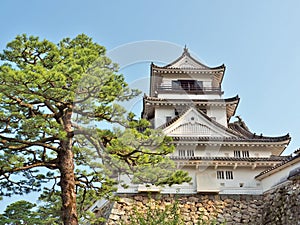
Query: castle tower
point(221, 156)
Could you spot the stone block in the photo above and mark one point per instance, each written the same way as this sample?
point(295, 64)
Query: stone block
point(114, 217)
point(193, 199)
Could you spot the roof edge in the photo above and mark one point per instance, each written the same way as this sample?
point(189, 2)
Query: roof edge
point(186, 53)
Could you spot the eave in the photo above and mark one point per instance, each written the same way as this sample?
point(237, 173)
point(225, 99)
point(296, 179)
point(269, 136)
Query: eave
point(278, 167)
point(186, 54)
point(226, 161)
point(231, 104)
point(275, 141)
point(216, 72)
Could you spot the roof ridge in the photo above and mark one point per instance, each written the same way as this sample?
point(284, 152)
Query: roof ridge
point(291, 158)
point(175, 68)
point(187, 53)
point(240, 126)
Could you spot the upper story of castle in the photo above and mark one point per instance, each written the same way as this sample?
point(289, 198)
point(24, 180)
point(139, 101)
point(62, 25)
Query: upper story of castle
point(184, 83)
point(186, 78)
point(186, 103)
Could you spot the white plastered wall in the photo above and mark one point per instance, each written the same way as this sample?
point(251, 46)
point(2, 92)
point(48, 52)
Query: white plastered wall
point(219, 113)
point(160, 115)
point(279, 176)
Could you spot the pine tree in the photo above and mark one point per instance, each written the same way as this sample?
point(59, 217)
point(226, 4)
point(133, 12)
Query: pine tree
point(20, 212)
point(55, 100)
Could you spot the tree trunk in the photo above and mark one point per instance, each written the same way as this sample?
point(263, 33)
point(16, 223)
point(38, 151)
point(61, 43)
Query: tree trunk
point(67, 180)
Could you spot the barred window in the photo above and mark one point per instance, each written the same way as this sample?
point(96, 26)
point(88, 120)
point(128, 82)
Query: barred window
point(229, 175)
point(186, 152)
point(181, 152)
point(190, 152)
point(237, 154)
point(220, 174)
point(245, 154)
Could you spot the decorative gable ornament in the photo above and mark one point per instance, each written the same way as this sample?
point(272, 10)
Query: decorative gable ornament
point(196, 124)
point(186, 61)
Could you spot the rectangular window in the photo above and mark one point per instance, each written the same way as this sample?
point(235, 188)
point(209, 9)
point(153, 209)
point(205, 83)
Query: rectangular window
point(188, 85)
point(181, 152)
point(220, 174)
point(237, 154)
point(229, 175)
point(188, 152)
point(245, 154)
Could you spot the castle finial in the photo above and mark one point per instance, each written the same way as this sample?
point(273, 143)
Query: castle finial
point(241, 122)
point(185, 49)
point(239, 118)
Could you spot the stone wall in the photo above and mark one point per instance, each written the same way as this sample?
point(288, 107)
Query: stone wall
point(234, 209)
point(282, 204)
point(279, 206)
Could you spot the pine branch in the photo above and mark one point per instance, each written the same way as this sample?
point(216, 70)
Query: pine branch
point(41, 143)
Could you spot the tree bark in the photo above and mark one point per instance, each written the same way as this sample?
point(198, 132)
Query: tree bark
point(67, 180)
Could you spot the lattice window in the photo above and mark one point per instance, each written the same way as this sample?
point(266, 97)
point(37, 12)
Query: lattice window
point(220, 174)
point(229, 175)
point(190, 152)
point(237, 154)
point(186, 152)
point(181, 152)
point(245, 154)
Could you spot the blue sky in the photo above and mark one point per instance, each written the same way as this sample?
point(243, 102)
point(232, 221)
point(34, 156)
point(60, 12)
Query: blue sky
point(258, 41)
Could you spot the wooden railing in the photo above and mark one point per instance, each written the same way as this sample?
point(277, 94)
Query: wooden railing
point(188, 88)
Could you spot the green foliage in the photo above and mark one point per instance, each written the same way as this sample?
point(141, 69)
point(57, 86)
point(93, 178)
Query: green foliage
point(156, 213)
point(49, 208)
point(52, 95)
point(47, 212)
point(142, 152)
point(20, 212)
